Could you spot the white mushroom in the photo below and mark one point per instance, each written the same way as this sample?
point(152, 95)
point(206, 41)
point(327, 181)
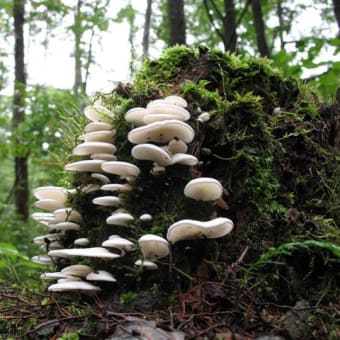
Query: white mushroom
point(98, 126)
point(99, 136)
point(192, 229)
point(103, 156)
point(47, 238)
point(42, 259)
point(204, 117)
point(83, 241)
point(204, 189)
point(162, 132)
point(102, 178)
point(161, 107)
point(120, 218)
point(77, 270)
point(145, 217)
point(51, 192)
point(115, 187)
point(100, 275)
point(99, 114)
point(89, 148)
point(86, 166)
point(98, 252)
point(63, 226)
point(176, 100)
point(177, 146)
point(73, 286)
point(49, 204)
point(67, 214)
point(151, 152)
point(120, 243)
point(153, 246)
point(183, 158)
point(122, 169)
point(107, 201)
point(53, 276)
point(149, 265)
point(136, 115)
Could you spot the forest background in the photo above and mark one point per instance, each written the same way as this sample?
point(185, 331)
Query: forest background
point(82, 39)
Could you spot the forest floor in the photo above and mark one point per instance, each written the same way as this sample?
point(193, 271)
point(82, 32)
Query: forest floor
point(30, 315)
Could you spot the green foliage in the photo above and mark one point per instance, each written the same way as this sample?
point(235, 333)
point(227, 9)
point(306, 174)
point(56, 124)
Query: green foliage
point(15, 266)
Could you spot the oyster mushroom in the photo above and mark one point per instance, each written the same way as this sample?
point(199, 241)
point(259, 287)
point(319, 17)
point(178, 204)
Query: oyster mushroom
point(192, 229)
point(89, 148)
point(99, 113)
point(98, 252)
point(123, 169)
point(86, 166)
point(151, 152)
point(78, 286)
point(153, 246)
point(100, 275)
point(204, 189)
point(162, 132)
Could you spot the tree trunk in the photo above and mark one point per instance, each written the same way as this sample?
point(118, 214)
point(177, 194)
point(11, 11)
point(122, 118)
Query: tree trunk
point(77, 87)
point(279, 12)
point(177, 22)
point(260, 29)
point(229, 25)
point(336, 7)
point(21, 191)
point(146, 34)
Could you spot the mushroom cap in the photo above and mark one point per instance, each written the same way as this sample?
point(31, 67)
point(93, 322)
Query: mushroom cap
point(43, 239)
point(63, 226)
point(204, 117)
point(53, 276)
point(51, 192)
point(42, 259)
point(149, 265)
point(162, 132)
point(118, 242)
point(136, 115)
point(192, 229)
point(102, 178)
point(86, 165)
point(83, 241)
point(89, 148)
point(115, 187)
point(122, 169)
point(107, 201)
point(183, 158)
point(98, 252)
point(77, 286)
point(161, 110)
point(77, 270)
point(89, 188)
point(44, 217)
point(55, 245)
point(99, 136)
point(120, 218)
point(100, 275)
point(204, 189)
point(177, 146)
point(153, 246)
point(103, 156)
point(67, 214)
point(151, 152)
point(176, 100)
point(97, 113)
point(145, 217)
point(49, 204)
point(98, 126)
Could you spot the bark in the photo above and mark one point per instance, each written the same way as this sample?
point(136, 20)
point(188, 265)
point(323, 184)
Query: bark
point(21, 191)
point(176, 22)
point(229, 26)
point(279, 12)
point(260, 29)
point(77, 87)
point(336, 8)
point(146, 33)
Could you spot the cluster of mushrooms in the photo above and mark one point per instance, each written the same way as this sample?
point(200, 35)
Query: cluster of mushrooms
point(161, 136)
